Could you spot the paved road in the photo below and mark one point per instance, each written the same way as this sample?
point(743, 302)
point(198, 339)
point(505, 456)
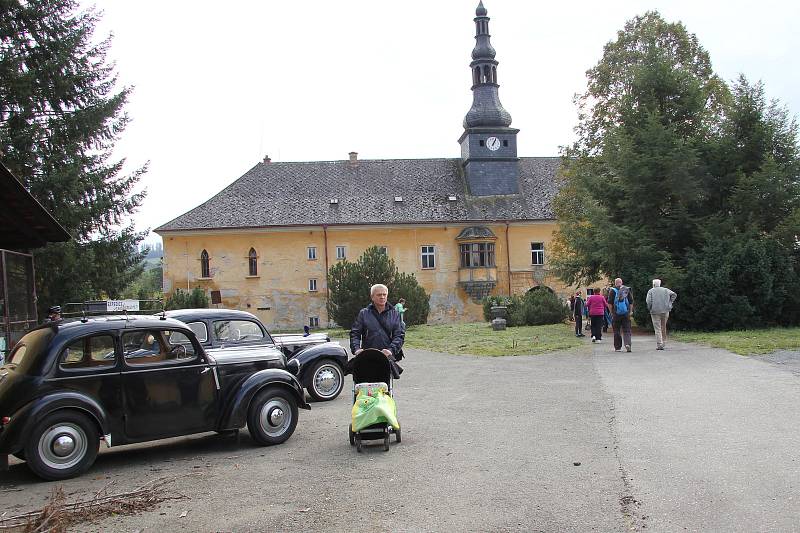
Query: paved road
point(686, 439)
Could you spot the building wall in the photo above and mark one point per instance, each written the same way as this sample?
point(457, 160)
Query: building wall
point(279, 295)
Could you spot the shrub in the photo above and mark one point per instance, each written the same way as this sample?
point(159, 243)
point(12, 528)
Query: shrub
point(181, 299)
point(534, 308)
point(349, 284)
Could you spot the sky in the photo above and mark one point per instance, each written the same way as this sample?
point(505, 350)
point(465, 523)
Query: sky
point(217, 90)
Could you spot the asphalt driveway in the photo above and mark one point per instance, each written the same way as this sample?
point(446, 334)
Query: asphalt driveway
point(688, 438)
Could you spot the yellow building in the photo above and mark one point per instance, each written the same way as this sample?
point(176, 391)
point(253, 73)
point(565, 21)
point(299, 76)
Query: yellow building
point(466, 227)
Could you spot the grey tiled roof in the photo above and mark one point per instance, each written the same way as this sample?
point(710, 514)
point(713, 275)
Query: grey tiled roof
point(286, 194)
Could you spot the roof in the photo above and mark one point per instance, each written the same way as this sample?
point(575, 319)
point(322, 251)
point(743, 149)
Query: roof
point(185, 315)
point(378, 191)
point(24, 223)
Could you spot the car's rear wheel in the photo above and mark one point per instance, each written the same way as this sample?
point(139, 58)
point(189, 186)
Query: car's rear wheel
point(325, 381)
point(272, 417)
point(63, 445)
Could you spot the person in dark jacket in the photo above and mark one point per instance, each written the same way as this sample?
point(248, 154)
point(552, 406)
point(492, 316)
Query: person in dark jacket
point(378, 326)
point(577, 313)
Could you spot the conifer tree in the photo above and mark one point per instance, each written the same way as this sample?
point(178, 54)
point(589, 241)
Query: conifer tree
point(60, 115)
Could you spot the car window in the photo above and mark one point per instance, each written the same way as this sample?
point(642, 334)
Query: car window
point(89, 352)
point(237, 331)
point(179, 338)
point(200, 330)
point(144, 347)
point(24, 352)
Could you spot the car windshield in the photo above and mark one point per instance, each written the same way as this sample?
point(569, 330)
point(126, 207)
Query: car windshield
point(26, 350)
point(237, 331)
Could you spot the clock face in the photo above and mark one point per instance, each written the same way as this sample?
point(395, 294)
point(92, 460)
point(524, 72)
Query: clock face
point(493, 143)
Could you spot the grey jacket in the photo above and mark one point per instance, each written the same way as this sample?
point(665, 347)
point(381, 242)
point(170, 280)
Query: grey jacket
point(660, 299)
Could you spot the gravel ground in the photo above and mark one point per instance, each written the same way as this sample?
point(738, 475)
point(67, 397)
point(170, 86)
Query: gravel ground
point(591, 440)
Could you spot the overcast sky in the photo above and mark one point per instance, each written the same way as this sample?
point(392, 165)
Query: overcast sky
point(219, 85)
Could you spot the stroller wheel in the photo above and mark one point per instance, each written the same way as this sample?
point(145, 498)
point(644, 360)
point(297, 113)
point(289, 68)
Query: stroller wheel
point(352, 435)
point(397, 434)
point(358, 443)
point(386, 442)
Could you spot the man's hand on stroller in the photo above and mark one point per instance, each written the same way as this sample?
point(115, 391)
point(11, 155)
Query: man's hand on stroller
point(358, 351)
point(387, 352)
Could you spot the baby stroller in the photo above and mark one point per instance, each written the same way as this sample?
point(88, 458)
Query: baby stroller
point(372, 372)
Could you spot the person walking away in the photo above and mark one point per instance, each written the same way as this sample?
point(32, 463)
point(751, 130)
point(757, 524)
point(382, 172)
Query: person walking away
point(597, 306)
point(400, 307)
point(620, 300)
point(577, 312)
point(607, 314)
point(659, 303)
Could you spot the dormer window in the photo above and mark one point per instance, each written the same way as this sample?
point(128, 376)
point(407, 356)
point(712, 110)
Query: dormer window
point(398, 198)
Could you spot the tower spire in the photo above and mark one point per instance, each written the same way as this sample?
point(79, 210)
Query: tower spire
point(486, 110)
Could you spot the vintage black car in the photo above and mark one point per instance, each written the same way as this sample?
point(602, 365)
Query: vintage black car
point(317, 362)
point(123, 379)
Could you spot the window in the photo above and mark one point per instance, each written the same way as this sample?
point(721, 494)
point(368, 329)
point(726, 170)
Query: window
point(144, 347)
point(477, 254)
point(537, 253)
point(200, 330)
point(312, 253)
point(97, 351)
point(313, 321)
point(384, 250)
point(205, 271)
point(428, 257)
point(341, 253)
point(252, 261)
point(231, 331)
point(312, 285)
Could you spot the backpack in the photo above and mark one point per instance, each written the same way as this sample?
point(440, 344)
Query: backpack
point(621, 301)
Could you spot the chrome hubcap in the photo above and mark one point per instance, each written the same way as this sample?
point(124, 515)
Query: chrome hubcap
point(63, 446)
point(275, 417)
point(327, 381)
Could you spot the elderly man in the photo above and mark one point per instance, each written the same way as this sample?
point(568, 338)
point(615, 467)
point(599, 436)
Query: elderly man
point(378, 326)
point(620, 300)
point(659, 303)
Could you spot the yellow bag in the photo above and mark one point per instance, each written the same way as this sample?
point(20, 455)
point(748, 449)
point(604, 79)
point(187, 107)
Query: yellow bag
point(373, 406)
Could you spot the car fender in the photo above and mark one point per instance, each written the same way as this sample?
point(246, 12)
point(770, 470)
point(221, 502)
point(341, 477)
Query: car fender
point(16, 433)
point(235, 414)
point(303, 360)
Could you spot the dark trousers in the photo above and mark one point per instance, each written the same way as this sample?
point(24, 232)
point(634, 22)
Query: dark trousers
point(597, 326)
point(622, 331)
point(578, 324)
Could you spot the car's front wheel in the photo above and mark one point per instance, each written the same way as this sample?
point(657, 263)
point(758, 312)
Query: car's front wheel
point(63, 445)
point(272, 417)
point(325, 381)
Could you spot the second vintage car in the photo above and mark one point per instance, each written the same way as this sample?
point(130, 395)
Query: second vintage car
point(67, 386)
point(317, 362)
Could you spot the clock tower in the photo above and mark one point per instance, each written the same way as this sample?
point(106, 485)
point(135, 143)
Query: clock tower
point(488, 144)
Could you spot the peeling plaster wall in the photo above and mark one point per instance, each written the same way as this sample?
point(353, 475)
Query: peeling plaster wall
point(279, 295)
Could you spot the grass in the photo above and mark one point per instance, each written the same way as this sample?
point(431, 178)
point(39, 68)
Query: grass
point(750, 342)
point(480, 339)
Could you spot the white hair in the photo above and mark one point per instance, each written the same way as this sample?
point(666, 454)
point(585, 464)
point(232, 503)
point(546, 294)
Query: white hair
point(656, 283)
point(375, 287)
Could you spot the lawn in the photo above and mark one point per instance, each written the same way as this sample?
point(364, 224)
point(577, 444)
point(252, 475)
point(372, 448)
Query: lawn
point(751, 342)
point(480, 339)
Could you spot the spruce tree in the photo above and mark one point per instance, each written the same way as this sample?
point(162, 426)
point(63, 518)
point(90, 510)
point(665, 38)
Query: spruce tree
point(60, 115)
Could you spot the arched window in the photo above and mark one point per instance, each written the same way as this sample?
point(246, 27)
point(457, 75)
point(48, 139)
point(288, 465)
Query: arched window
point(205, 271)
point(252, 261)
point(486, 74)
point(494, 74)
point(476, 76)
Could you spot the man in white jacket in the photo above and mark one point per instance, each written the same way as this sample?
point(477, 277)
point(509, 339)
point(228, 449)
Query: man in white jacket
point(659, 303)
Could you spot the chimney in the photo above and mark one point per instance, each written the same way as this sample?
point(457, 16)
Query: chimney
point(353, 158)
point(267, 160)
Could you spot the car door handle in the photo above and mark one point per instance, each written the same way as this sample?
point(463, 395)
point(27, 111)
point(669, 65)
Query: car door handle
point(206, 369)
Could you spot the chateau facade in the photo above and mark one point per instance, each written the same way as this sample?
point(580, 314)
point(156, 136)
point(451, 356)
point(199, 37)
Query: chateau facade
point(467, 227)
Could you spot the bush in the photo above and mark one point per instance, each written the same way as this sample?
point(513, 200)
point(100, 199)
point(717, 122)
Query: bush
point(181, 299)
point(534, 308)
point(349, 284)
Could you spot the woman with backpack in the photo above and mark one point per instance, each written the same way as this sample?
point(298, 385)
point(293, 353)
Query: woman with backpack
point(597, 308)
point(620, 300)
